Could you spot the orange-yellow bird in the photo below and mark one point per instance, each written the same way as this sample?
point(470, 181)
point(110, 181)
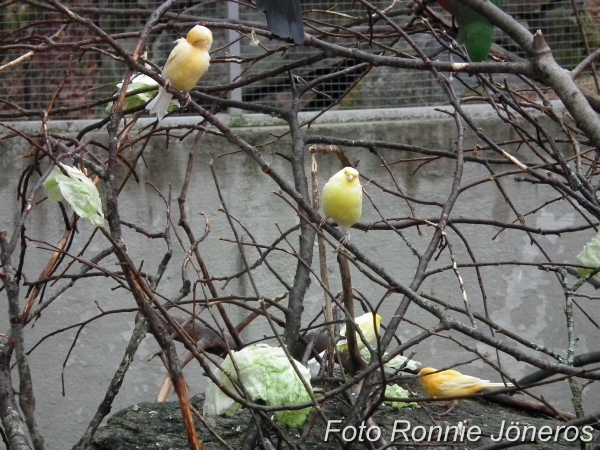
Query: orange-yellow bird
point(451, 383)
point(188, 61)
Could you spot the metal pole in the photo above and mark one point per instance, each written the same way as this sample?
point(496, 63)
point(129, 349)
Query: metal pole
point(233, 14)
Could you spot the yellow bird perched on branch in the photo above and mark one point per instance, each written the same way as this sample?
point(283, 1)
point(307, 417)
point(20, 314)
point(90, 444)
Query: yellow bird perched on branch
point(187, 63)
point(451, 383)
point(342, 200)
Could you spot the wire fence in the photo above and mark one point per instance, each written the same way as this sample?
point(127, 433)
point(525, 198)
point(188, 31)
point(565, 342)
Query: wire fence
point(68, 78)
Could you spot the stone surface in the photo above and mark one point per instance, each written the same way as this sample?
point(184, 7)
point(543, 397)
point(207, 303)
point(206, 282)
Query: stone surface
point(159, 426)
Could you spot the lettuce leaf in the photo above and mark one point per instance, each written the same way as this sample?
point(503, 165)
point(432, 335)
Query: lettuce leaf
point(395, 363)
point(78, 191)
point(393, 390)
point(133, 101)
point(590, 255)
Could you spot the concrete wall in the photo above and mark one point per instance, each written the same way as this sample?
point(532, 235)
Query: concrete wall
point(521, 298)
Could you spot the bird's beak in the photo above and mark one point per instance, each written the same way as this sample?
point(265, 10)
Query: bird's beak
point(350, 177)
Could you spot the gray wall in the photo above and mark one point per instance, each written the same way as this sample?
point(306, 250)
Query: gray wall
point(523, 299)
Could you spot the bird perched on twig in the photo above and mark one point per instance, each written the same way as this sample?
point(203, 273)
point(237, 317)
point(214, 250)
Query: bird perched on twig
point(284, 18)
point(342, 200)
point(187, 63)
point(451, 383)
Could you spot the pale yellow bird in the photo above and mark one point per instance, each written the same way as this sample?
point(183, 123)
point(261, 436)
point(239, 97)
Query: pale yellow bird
point(369, 324)
point(451, 383)
point(187, 63)
point(342, 200)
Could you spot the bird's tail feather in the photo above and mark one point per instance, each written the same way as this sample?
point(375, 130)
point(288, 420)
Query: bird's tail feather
point(499, 385)
point(160, 103)
point(478, 38)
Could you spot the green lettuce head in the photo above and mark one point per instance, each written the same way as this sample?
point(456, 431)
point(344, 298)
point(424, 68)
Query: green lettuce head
point(267, 375)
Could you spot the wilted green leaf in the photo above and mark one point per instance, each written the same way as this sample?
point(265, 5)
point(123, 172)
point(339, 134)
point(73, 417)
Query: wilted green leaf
point(395, 363)
point(590, 255)
point(78, 191)
point(393, 390)
point(140, 82)
point(267, 375)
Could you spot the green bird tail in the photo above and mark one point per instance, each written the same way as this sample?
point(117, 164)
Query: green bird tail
point(474, 31)
point(478, 38)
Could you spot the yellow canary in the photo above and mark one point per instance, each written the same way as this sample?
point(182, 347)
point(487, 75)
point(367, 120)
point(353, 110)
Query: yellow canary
point(342, 200)
point(188, 61)
point(451, 383)
point(365, 323)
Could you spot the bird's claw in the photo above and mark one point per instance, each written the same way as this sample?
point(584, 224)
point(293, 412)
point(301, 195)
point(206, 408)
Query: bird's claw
point(448, 412)
point(188, 97)
point(188, 100)
point(345, 239)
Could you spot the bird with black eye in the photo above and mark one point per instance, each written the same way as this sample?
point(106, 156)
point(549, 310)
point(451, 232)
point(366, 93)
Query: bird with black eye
point(284, 18)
